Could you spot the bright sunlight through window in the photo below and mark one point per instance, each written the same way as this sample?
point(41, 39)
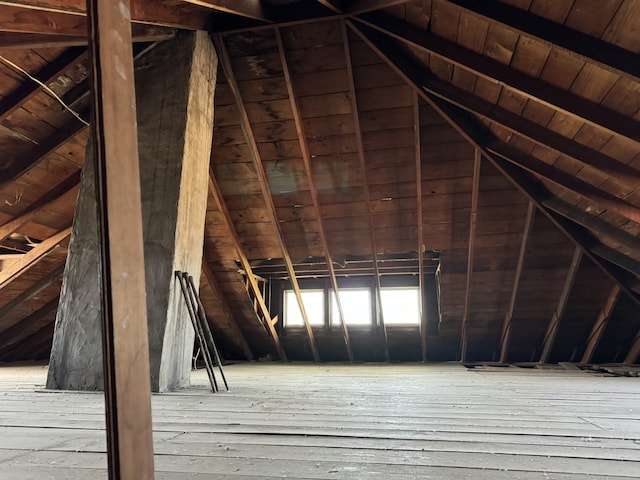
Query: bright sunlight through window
point(400, 306)
point(313, 303)
point(356, 306)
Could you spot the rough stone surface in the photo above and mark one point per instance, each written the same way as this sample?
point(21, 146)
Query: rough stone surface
point(174, 88)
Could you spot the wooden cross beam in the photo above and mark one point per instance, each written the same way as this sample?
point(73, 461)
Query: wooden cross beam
point(313, 191)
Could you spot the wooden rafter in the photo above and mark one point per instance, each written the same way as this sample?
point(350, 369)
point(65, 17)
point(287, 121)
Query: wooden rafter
point(221, 205)
point(313, 191)
point(508, 318)
point(125, 345)
point(13, 336)
point(365, 188)
point(50, 145)
point(38, 342)
point(533, 88)
point(16, 19)
point(241, 8)
point(634, 351)
point(470, 131)
point(142, 11)
point(558, 313)
point(226, 311)
point(46, 75)
point(530, 130)
point(264, 187)
point(464, 337)
point(43, 203)
point(33, 256)
point(356, 7)
point(420, 223)
point(564, 180)
point(140, 32)
point(37, 288)
point(600, 324)
point(557, 36)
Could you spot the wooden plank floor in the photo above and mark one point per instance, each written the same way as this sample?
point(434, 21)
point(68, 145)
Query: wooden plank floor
point(342, 422)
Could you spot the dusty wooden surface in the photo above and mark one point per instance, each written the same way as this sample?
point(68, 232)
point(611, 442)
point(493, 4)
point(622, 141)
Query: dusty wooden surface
point(343, 422)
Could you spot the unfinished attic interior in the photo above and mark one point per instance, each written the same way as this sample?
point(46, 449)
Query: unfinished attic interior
point(463, 173)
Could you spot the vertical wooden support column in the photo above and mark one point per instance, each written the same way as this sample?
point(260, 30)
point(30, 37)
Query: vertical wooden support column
point(124, 310)
point(418, 152)
point(472, 235)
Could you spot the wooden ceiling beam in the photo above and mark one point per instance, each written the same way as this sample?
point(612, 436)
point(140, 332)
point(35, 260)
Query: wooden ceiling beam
point(43, 203)
point(226, 311)
point(475, 134)
point(508, 318)
point(22, 41)
point(216, 193)
point(564, 180)
point(600, 324)
point(475, 189)
point(552, 329)
point(533, 88)
point(420, 222)
point(49, 15)
point(365, 187)
point(313, 191)
point(245, 123)
point(579, 45)
point(530, 130)
point(33, 256)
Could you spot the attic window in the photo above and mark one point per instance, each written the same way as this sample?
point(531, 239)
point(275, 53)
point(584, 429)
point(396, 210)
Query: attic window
point(356, 306)
point(400, 306)
point(313, 301)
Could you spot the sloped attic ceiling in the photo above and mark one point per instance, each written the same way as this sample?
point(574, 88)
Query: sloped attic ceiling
point(501, 136)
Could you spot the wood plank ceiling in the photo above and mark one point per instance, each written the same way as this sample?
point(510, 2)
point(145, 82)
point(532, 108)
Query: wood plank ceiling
point(502, 136)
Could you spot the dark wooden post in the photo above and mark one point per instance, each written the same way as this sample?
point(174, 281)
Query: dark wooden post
point(124, 319)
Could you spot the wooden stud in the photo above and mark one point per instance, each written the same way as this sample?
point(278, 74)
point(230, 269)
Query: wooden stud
point(582, 46)
point(600, 324)
point(216, 193)
point(226, 311)
point(365, 189)
point(40, 205)
point(419, 209)
point(470, 253)
point(506, 325)
point(264, 187)
point(313, 191)
point(533, 88)
point(33, 256)
point(124, 308)
point(552, 330)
